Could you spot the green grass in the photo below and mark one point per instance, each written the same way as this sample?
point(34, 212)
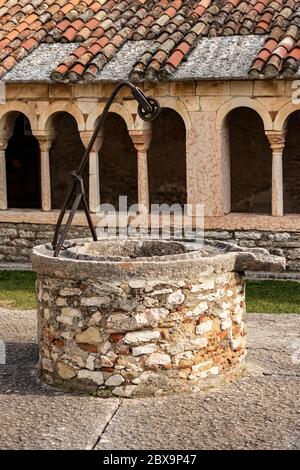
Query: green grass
point(17, 291)
point(273, 296)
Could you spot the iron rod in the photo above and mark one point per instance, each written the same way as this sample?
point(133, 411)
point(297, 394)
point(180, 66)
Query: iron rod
point(58, 241)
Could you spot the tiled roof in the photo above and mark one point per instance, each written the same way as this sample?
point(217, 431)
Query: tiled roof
point(173, 28)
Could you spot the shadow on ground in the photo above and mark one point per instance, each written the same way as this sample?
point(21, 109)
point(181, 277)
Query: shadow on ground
point(19, 374)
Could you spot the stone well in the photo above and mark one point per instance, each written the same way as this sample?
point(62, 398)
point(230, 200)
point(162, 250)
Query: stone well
point(140, 317)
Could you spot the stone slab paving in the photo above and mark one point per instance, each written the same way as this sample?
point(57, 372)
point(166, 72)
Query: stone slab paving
point(259, 411)
point(33, 415)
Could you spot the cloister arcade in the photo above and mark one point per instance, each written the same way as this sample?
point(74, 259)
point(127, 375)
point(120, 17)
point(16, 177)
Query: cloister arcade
point(258, 156)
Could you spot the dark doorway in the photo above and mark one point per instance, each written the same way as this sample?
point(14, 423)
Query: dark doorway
point(250, 162)
point(23, 167)
point(65, 155)
point(117, 163)
point(291, 166)
point(167, 159)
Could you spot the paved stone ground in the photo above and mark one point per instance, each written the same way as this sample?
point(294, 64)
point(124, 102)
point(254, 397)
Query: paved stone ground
point(259, 411)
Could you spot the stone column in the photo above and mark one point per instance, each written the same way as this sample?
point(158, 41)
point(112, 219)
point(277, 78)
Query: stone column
point(45, 144)
point(94, 177)
point(141, 140)
point(224, 151)
point(276, 140)
point(3, 188)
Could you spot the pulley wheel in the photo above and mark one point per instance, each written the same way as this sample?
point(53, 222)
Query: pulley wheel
point(149, 115)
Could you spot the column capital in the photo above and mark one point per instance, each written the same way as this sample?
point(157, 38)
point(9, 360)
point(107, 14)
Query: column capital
point(44, 140)
point(276, 140)
point(3, 143)
point(141, 139)
point(86, 137)
point(4, 138)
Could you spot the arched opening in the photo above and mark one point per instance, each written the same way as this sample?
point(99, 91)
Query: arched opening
point(167, 159)
point(250, 162)
point(117, 163)
point(23, 166)
point(291, 166)
point(65, 155)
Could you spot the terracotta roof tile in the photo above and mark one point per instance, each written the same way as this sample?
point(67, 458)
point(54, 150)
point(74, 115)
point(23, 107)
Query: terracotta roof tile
point(264, 55)
point(295, 54)
point(103, 26)
point(29, 44)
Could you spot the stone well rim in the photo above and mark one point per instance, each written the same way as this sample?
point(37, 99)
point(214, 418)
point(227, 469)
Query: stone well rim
point(229, 257)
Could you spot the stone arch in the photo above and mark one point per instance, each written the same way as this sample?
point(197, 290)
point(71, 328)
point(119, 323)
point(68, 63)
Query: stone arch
point(65, 154)
point(46, 118)
point(168, 102)
point(115, 108)
point(11, 110)
point(167, 158)
point(243, 102)
point(250, 161)
point(291, 163)
point(22, 162)
point(283, 114)
point(117, 163)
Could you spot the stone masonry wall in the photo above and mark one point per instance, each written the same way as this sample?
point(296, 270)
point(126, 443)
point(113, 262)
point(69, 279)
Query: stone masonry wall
point(285, 244)
point(138, 337)
point(17, 241)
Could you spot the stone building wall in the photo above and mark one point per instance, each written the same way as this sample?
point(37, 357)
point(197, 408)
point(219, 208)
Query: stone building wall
point(204, 108)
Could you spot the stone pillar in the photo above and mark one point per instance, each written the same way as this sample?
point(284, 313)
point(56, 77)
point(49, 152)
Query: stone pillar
point(276, 140)
point(45, 144)
point(224, 151)
point(94, 177)
point(3, 188)
point(141, 140)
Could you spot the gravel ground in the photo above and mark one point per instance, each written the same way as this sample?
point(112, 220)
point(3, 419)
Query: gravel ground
point(259, 411)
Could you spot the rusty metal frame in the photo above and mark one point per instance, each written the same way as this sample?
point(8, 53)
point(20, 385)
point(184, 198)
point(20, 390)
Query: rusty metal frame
point(148, 110)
